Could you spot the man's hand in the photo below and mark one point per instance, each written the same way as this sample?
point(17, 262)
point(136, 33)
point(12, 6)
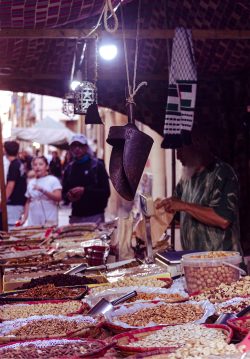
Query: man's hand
point(171, 205)
point(75, 194)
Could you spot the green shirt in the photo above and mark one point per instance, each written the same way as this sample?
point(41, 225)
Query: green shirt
point(216, 187)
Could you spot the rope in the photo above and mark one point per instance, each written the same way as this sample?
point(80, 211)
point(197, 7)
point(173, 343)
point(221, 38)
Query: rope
point(132, 91)
point(109, 7)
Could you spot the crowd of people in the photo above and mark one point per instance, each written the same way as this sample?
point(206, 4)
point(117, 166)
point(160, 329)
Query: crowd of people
point(35, 187)
point(206, 199)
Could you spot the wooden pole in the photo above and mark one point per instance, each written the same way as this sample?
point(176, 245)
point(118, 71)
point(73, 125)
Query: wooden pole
point(3, 188)
point(173, 163)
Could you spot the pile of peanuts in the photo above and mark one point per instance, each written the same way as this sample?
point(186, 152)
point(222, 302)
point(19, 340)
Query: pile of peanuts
point(223, 292)
point(132, 282)
point(170, 298)
point(58, 351)
point(49, 291)
point(15, 311)
point(179, 335)
point(203, 348)
point(163, 314)
point(213, 255)
point(47, 327)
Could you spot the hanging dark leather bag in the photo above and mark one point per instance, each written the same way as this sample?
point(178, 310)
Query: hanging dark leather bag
point(131, 148)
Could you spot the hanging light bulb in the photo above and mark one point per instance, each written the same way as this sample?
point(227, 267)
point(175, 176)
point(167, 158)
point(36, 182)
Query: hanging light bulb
point(108, 51)
point(76, 80)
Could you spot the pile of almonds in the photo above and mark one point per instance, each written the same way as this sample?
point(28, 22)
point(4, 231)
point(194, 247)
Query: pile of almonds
point(15, 311)
point(47, 327)
point(30, 351)
point(163, 314)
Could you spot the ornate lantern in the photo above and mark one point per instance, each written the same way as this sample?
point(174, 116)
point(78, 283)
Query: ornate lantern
point(84, 96)
point(68, 105)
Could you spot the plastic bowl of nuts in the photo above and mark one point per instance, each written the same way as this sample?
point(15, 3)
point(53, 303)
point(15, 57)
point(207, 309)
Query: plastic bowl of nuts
point(56, 348)
point(168, 338)
point(205, 270)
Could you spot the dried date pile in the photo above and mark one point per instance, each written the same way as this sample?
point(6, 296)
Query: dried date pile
point(59, 280)
point(58, 351)
point(163, 314)
point(49, 291)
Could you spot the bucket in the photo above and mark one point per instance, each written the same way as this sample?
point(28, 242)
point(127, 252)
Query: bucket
point(204, 270)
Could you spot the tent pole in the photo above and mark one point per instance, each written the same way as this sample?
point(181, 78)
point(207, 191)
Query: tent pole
point(173, 164)
point(2, 181)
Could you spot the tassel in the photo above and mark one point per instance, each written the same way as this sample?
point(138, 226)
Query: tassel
point(92, 115)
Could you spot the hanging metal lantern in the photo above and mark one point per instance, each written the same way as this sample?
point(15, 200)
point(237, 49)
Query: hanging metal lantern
point(68, 105)
point(84, 96)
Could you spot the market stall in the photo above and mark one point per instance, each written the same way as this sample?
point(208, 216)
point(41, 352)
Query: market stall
point(52, 278)
point(45, 302)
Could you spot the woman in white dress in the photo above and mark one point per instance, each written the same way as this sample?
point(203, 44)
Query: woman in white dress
point(44, 192)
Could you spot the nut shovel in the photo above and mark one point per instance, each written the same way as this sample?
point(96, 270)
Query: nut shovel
point(224, 317)
point(104, 306)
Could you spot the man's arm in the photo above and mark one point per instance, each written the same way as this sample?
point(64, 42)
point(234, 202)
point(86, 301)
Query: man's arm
point(10, 188)
point(203, 214)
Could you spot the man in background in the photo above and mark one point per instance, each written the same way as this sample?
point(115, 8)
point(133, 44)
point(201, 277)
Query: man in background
point(16, 183)
point(85, 183)
point(55, 166)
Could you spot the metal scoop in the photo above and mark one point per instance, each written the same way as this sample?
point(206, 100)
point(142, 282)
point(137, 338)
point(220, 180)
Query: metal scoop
point(104, 306)
point(224, 317)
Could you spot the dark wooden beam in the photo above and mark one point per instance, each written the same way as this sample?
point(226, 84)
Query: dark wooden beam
point(129, 34)
point(66, 77)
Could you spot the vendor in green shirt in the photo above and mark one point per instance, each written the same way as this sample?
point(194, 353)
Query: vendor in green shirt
point(207, 199)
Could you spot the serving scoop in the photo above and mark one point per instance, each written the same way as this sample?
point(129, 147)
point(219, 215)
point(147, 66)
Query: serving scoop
point(224, 317)
point(104, 306)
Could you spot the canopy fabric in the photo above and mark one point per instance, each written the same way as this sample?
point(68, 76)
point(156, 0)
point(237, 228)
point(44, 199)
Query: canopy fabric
point(45, 132)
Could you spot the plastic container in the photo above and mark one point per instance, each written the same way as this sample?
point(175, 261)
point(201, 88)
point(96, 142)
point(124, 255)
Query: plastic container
point(205, 270)
point(96, 255)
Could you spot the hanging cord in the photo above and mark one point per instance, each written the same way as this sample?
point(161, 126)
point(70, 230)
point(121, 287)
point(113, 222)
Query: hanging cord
point(104, 14)
point(109, 7)
point(96, 62)
point(132, 90)
point(96, 67)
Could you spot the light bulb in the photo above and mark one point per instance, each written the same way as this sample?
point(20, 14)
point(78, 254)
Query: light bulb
point(74, 84)
point(108, 52)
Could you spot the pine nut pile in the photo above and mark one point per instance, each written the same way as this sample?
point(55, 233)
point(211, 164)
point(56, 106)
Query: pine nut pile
point(131, 282)
point(173, 297)
point(179, 335)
